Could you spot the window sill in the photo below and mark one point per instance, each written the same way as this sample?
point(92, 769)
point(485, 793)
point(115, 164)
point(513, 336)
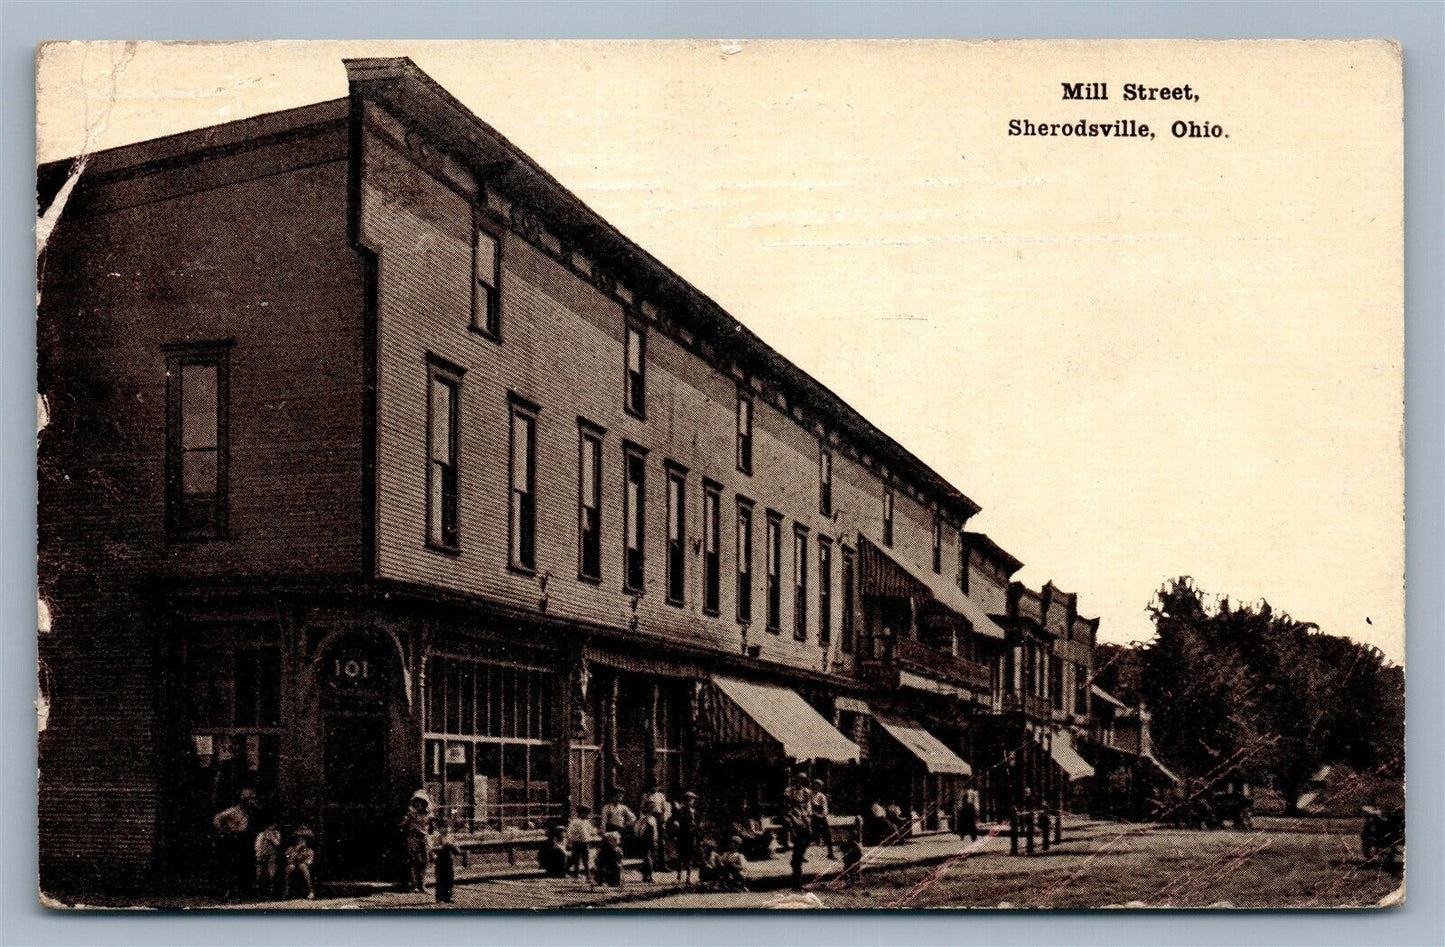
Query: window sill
point(529, 571)
point(589, 579)
point(443, 550)
point(675, 602)
point(633, 412)
point(712, 612)
point(487, 334)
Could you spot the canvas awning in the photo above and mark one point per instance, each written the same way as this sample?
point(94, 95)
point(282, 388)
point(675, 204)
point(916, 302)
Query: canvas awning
point(924, 746)
point(1164, 770)
point(1109, 698)
point(1061, 748)
point(742, 712)
point(882, 576)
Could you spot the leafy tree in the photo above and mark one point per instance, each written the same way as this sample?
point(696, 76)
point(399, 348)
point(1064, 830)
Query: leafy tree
point(1244, 691)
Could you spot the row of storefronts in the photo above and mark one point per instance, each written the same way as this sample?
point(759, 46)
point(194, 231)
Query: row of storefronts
point(339, 712)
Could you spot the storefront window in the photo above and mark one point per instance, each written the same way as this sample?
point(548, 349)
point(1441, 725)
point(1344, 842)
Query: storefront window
point(488, 745)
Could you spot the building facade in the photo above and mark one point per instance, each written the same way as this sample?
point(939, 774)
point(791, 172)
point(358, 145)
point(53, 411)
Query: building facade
point(378, 462)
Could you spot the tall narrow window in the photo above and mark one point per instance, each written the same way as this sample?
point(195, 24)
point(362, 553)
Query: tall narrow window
point(845, 628)
point(487, 269)
point(745, 435)
point(523, 518)
point(1081, 689)
point(825, 591)
point(676, 533)
point(825, 482)
point(963, 561)
point(443, 526)
point(745, 561)
point(775, 569)
point(635, 395)
point(711, 549)
point(888, 516)
point(634, 498)
point(800, 583)
point(589, 503)
point(197, 423)
point(937, 544)
point(1056, 681)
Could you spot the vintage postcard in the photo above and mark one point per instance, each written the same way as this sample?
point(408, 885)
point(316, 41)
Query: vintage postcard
point(720, 475)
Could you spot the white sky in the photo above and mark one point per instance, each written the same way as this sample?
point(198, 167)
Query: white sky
point(1142, 358)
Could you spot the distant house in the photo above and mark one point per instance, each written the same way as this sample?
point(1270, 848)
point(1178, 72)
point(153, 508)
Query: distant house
point(1128, 774)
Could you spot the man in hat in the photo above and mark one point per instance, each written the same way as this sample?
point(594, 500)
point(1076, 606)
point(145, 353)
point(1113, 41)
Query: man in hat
point(616, 817)
point(235, 848)
point(683, 829)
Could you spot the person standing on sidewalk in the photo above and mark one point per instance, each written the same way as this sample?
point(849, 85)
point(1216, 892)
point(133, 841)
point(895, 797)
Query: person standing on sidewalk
point(819, 817)
point(235, 845)
point(447, 852)
point(416, 829)
point(580, 836)
point(683, 829)
point(616, 817)
point(967, 820)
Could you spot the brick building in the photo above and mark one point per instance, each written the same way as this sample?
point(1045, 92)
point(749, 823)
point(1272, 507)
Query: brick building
point(378, 462)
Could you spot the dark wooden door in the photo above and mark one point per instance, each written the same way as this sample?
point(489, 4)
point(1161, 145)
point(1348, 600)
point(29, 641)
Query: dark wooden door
point(356, 837)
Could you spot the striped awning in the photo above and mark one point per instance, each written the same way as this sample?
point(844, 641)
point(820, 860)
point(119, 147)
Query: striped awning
point(882, 576)
point(924, 746)
point(745, 712)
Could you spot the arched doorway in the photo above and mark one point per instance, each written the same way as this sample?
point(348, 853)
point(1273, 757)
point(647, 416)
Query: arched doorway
point(358, 679)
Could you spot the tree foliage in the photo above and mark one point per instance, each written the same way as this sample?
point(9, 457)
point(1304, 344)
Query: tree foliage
point(1245, 692)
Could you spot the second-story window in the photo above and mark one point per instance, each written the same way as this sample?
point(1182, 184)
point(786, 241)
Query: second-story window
point(1056, 681)
point(443, 526)
point(963, 562)
point(937, 544)
point(745, 435)
point(845, 627)
point(888, 516)
point(589, 503)
point(800, 583)
point(711, 549)
point(1081, 689)
point(825, 482)
point(676, 534)
point(635, 392)
point(523, 518)
point(745, 561)
point(197, 423)
point(825, 591)
point(487, 270)
point(775, 572)
point(634, 498)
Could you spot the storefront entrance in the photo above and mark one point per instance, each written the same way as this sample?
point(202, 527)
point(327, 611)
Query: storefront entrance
point(358, 824)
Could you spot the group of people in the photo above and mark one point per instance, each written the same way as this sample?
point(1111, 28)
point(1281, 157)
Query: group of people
point(254, 857)
point(660, 833)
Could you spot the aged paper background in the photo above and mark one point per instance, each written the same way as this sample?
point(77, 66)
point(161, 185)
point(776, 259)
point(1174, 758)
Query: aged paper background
point(1144, 358)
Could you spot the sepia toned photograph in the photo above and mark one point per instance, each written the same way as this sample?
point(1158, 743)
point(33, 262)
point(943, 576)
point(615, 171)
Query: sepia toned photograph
point(720, 475)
